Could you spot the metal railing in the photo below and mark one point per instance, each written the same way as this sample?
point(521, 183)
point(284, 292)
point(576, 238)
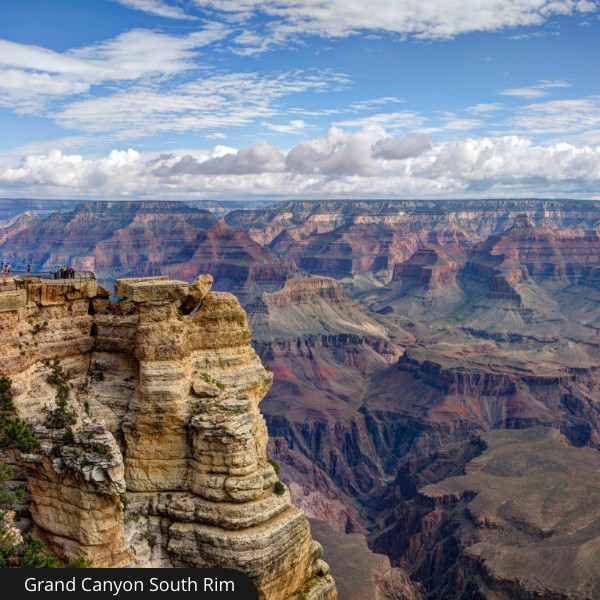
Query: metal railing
point(16, 279)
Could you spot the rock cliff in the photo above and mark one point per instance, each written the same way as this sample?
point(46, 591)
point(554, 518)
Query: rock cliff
point(167, 462)
point(363, 241)
point(522, 522)
point(321, 346)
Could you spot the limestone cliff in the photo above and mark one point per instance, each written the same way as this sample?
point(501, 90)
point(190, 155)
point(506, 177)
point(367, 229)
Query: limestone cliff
point(167, 464)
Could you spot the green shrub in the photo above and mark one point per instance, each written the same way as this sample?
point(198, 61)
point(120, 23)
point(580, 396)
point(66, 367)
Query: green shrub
point(62, 416)
point(58, 376)
point(274, 464)
point(31, 554)
point(8, 497)
point(279, 488)
point(6, 401)
point(79, 562)
point(39, 327)
point(211, 380)
point(68, 436)
point(15, 433)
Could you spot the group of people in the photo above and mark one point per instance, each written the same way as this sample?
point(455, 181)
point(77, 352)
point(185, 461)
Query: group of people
point(63, 272)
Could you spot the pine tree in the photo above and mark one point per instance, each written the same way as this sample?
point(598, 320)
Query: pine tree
point(62, 416)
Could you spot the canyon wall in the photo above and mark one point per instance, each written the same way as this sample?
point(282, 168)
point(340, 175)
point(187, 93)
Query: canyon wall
point(166, 465)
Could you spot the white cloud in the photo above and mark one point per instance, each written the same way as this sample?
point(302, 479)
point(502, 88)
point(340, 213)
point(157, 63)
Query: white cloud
point(557, 116)
point(401, 148)
point(513, 159)
point(156, 7)
point(452, 122)
point(365, 163)
point(374, 103)
point(29, 75)
point(426, 19)
point(56, 170)
point(535, 91)
point(27, 92)
point(485, 107)
point(131, 55)
point(259, 158)
point(293, 127)
point(142, 52)
point(336, 153)
point(213, 102)
point(405, 119)
point(526, 92)
point(586, 6)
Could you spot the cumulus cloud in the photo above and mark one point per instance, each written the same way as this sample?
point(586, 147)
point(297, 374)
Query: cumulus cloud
point(56, 170)
point(512, 159)
point(336, 153)
point(365, 163)
point(259, 158)
point(432, 19)
point(400, 148)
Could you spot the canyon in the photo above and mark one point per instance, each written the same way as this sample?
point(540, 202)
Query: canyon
point(411, 345)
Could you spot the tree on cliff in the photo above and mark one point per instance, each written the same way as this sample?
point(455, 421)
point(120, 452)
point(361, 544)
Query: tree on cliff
point(17, 550)
point(6, 401)
point(62, 416)
point(14, 432)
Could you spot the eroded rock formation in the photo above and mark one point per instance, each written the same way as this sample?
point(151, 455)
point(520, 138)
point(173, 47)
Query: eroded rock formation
point(521, 523)
point(167, 463)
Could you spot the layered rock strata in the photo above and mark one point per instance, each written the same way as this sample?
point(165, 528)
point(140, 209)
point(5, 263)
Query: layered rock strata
point(321, 346)
point(523, 522)
point(167, 464)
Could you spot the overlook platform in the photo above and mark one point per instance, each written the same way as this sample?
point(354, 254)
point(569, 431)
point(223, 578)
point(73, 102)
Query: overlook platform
point(19, 279)
point(19, 289)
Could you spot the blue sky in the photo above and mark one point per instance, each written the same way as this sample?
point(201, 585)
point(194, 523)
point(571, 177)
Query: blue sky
point(310, 99)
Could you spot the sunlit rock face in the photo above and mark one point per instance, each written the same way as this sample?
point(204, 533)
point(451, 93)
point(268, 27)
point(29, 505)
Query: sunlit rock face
point(167, 465)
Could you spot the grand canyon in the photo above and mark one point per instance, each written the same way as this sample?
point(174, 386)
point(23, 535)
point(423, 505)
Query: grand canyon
point(433, 384)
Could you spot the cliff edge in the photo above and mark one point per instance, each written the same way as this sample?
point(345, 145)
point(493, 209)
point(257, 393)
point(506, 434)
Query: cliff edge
point(166, 465)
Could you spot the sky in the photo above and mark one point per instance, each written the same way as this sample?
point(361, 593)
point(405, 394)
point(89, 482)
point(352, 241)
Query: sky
point(309, 99)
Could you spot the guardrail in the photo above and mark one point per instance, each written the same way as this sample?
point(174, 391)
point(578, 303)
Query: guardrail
point(17, 280)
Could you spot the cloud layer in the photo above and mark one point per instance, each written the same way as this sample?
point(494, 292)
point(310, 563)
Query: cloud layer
point(363, 163)
point(423, 19)
point(32, 76)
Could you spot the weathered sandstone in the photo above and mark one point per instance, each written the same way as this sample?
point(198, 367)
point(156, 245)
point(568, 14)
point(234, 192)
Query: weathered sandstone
point(167, 465)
